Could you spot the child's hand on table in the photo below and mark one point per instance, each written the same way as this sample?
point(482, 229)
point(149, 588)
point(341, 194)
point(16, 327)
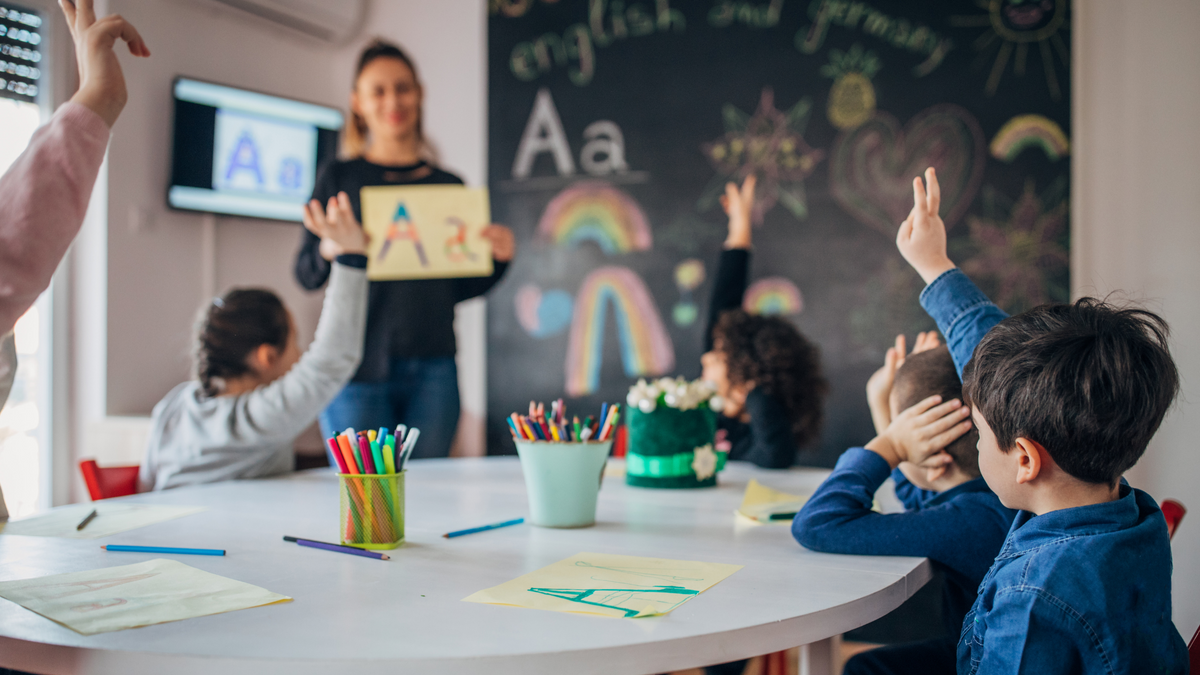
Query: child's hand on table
point(504, 244)
point(879, 387)
point(922, 236)
point(337, 227)
point(738, 205)
point(101, 83)
point(921, 433)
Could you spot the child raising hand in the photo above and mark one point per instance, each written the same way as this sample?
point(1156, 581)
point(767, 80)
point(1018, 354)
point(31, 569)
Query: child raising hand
point(767, 372)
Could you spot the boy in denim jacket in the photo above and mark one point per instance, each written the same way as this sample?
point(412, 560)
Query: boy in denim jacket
point(1065, 398)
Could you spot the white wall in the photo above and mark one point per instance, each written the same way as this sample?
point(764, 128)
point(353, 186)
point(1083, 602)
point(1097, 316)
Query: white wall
point(1136, 192)
point(1136, 220)
point(155, 278)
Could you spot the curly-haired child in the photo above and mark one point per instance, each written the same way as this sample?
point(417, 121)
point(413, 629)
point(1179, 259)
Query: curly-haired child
point(767, 372)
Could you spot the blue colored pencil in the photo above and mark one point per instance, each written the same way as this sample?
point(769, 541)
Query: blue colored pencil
point(485, 528)
point(164, 549)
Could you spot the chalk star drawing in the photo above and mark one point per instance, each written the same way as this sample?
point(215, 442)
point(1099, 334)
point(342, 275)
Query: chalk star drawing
point(770, 144)
point(1014, 26)
point(1020, 254)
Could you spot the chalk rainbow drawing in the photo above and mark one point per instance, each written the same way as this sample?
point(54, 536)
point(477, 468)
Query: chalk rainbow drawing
point(773, 295)
point(542, 313)
point(598, 212)
point(1030, 131)
point(646, 349)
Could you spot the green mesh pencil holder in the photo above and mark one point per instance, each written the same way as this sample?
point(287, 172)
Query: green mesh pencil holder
point(672, 448)
point(372, 513)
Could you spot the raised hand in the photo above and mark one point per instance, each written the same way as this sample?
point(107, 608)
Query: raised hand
point(504, 244)
point(922, 236)
point(879, 387)
point(101, 82)
point(738, 205)
point(336, 226)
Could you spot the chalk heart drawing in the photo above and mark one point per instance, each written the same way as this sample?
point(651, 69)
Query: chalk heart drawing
point(541, 313)
point(873, 165)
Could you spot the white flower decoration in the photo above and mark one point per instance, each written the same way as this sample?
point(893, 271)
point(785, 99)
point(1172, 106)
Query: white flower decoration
point(704, 461)
point(676, 393)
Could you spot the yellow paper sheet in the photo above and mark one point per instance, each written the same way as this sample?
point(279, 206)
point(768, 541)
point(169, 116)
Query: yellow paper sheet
point(115, 598)
point(111, 518)
point(760, 502)
point(619, 586)
point(426, 232)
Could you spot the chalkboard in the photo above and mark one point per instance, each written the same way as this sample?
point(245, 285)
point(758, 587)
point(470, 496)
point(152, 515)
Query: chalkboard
point(613, 125)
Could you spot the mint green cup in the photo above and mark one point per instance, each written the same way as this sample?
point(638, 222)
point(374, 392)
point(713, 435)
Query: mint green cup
point(562, 481)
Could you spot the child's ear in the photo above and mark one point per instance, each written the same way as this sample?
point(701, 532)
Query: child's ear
point(1031, 459)
point(263, 358)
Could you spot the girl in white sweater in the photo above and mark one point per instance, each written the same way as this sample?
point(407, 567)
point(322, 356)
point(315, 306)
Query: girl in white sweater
point(254, 392)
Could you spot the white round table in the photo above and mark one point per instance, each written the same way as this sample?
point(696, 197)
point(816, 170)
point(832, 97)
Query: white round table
point(357, 615)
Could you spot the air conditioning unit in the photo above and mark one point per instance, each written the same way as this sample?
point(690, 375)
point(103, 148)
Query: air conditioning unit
point(333, 21)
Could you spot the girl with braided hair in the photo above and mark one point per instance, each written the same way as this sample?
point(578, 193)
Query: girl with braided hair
point(254, 392)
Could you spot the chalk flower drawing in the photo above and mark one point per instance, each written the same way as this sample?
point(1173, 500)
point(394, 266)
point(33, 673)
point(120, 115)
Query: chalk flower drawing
point(770, 143)
point(704, 461)
point(1022, 254)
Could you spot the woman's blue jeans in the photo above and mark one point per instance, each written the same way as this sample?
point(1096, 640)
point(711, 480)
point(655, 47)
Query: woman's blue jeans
point(421, 393)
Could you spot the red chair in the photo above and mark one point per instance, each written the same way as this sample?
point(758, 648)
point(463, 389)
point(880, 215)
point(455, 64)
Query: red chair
point(1174, 512)
point(111, 481)
point(1194, 652)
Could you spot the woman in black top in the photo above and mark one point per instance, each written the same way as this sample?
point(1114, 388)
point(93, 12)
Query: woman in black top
point(408, 374)
point(767, 372)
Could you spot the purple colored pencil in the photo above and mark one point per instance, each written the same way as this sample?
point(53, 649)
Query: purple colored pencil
point(336, 548)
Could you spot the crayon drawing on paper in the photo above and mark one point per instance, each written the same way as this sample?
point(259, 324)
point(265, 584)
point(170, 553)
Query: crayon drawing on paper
point(618, 586)
point(426, 232)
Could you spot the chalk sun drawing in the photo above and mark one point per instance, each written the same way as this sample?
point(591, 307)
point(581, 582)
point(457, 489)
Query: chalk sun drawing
point(646, 349)
point(770, 144)
point(773, 295)
point(1020, 253)
point(598, 212)
point(1030, 131)
point(872, 166)
point(543, 314)
point(1011, 27)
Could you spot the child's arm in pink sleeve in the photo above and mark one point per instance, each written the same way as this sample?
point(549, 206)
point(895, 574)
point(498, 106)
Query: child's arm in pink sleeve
point(43, 197)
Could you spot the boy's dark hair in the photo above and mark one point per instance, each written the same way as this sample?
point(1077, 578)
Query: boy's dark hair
point(770, 352)
point(230, 328)
point(1089, 381)
point(932, 373)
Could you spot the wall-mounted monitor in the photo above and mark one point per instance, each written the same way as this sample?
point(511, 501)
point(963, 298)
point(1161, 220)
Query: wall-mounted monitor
point(243, 153)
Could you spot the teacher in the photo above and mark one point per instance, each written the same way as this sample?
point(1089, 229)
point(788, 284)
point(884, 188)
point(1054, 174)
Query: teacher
point(408, 374)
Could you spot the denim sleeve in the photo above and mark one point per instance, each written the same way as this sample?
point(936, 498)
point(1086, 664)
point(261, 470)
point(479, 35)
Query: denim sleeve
point(910, 495)
point(838, 519)
point(1028, 632)
point(962, 312)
